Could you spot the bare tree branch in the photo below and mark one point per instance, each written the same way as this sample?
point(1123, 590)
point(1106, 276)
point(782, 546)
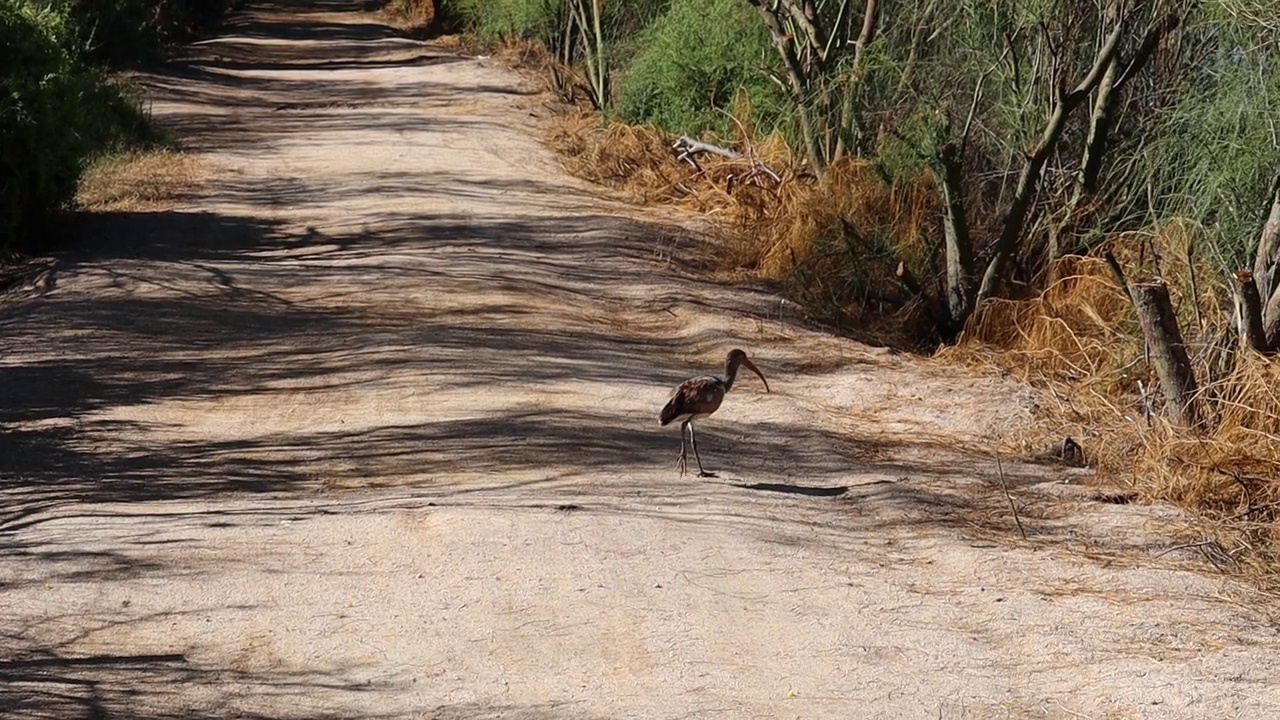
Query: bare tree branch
point(1019, 206)
point(805, 23)
point(848, 118)
point(798, 84)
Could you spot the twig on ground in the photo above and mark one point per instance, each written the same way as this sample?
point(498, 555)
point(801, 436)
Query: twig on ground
point(1204, 546)
point(1012, 507)
point(1187, 546)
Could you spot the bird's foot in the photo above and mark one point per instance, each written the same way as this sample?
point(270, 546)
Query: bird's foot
point(705, 474)
point(681, 463)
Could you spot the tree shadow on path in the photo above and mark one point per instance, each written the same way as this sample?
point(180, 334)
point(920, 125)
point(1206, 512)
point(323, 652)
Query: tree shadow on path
point(152, 369)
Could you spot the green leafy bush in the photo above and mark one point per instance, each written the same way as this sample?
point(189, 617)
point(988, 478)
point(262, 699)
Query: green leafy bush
point(124, 31)
point(692, 63)
point(59, 108)
point(1214, 152)
point(507, 19)
point(56, 112)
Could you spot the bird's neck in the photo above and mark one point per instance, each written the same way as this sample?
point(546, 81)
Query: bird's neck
point(730, 374)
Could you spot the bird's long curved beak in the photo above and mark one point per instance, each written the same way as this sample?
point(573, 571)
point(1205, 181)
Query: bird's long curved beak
point(752, 367)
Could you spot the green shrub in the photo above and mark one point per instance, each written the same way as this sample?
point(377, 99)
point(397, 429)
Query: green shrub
point(543, 20)
point(116, 31)
point(125, 31)
point(56, 112)
point(692, 63)
point(1214, 153)
point(507, 19)
point(59, 109)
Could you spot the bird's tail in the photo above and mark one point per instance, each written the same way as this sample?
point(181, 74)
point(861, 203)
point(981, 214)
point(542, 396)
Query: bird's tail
point(669, 413)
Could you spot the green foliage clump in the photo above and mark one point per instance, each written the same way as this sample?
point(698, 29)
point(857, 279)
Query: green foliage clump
point(1216, 150)
point(545, 20)
point(508, 19)
point(694, 61)
point(124, 31)
point(56, 113)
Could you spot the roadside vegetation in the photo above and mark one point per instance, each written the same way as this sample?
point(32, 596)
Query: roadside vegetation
point(1084, 195)
point(62, 108)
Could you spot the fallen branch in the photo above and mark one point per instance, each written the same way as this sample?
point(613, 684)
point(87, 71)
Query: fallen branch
point(1204, 546)
point(686, 147)
point(1187, 546)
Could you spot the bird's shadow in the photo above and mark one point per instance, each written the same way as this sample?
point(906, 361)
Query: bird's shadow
point(796, 489)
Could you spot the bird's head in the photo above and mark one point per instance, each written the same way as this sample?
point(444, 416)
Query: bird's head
point(739, 357)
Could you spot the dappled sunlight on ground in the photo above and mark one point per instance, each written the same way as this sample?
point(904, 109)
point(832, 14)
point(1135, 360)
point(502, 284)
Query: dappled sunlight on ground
point(369, 429)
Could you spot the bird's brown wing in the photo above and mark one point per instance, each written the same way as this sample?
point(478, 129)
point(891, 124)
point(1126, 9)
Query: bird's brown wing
point(696, 396)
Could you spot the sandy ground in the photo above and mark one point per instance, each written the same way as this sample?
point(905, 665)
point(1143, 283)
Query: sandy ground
point(366, 428)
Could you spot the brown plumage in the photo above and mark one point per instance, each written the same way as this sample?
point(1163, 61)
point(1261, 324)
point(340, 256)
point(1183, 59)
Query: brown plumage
point(699, 397)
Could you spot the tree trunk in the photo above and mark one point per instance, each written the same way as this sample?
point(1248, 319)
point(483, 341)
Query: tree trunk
point(592, 37)
point(956, 232)
point(1249, 312)
point(1265, 267)
point(1173, 366)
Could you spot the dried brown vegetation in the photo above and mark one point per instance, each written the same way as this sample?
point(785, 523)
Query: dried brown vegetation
point(141, 181)
point(1079, 342)
point(834, 243)
point(415, 16)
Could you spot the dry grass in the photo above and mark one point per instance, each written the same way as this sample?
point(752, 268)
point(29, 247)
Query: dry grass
point(833, 243)
point(413, 16)
point(1080, 342)
point(141, 181)
point(640, 161)
point(851, 207)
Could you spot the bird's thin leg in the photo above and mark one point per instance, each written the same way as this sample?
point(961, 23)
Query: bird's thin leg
point(694, 439)
point(683, 460)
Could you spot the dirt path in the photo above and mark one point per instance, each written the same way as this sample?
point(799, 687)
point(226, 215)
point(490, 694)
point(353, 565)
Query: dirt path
point(368, 430)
